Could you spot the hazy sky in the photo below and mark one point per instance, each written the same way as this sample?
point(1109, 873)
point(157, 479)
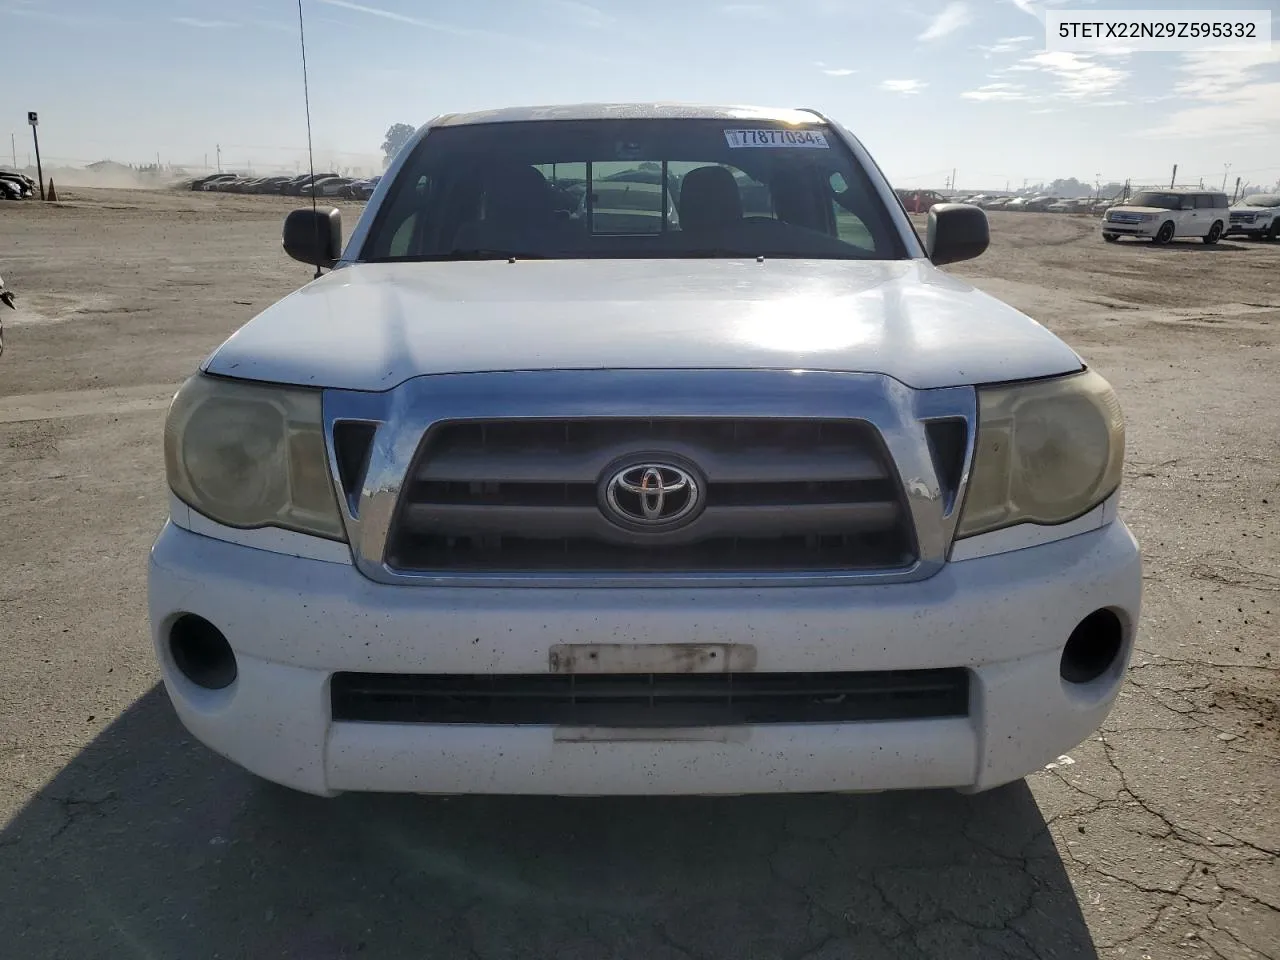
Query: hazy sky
point(928, 85)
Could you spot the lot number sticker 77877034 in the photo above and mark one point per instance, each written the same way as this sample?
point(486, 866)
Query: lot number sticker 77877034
point(775, 138)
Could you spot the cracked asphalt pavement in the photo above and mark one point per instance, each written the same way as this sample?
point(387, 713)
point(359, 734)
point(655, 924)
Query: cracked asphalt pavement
point(121, 837)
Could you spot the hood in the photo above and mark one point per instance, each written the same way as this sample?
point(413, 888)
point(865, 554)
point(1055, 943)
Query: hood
point(373, 326)
point(1130, 208)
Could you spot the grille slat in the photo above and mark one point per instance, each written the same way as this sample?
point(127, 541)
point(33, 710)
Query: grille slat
point(650, 700)
point(549, 465)
point(557, 522)
point(525, 495)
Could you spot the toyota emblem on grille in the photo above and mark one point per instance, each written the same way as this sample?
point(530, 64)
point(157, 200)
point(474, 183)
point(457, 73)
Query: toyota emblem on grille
point(651, 495)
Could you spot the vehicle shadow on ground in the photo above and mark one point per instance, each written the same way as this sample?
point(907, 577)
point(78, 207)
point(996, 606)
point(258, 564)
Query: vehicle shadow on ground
point(148, 845)
point(1190, 246)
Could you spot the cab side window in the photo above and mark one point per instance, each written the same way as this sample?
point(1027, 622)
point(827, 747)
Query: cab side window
point(402, 234)
point(1206, 201)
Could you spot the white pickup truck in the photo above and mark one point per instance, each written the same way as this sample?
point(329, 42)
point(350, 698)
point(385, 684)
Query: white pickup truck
point(717, 486)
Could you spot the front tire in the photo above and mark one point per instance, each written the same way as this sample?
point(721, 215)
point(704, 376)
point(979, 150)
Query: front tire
point(1274, 233)
point(1110, 237)
point(1214, 234)
point(1164, 234)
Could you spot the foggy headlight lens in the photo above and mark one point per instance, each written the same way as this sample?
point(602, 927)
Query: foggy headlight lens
point(251, 455)
point(1046, 452)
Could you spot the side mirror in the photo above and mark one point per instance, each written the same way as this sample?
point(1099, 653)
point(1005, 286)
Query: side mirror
point(314, 237)
point(957, 231)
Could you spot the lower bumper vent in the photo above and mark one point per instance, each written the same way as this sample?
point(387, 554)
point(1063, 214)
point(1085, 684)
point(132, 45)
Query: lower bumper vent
point(650, 700)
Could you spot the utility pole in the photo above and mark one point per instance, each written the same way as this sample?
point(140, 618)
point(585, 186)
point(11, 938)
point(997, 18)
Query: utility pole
point(1236, 192)
point(1173, 179)
point(1226, 168)
point(953, 179)
point(13, 145)
point(34, 120)
point(219, 147)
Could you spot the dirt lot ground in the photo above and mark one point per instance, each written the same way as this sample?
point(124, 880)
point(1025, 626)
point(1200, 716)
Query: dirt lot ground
point(122, 837)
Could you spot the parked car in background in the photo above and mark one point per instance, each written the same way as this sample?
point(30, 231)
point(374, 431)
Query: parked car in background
point(1164, 215)
point(317, 185)
point(333, 187)
point(1039, 203)
point(270, 184)
point(361, 189)
point(300, 186)
point(1256, 216)
point(919, 201)
point(211, 182)
point(17, 186)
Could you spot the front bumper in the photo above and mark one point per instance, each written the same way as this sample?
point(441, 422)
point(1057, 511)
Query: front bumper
point(292, 622)
point(1247, 230)
point(1148, 229)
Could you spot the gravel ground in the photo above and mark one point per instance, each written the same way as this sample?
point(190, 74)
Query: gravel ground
point(122, 837)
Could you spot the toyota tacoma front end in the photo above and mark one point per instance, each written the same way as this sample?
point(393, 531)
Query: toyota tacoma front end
point(642, 449)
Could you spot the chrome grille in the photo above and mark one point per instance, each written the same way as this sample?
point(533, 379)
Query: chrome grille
point(524, 495)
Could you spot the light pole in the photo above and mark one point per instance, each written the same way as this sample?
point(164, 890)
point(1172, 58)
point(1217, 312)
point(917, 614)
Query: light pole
point(1226, 168)
point(34, 120)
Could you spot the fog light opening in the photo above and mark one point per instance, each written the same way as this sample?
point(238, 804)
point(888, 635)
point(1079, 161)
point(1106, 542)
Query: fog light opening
point(1092, 648)
point(201, 652)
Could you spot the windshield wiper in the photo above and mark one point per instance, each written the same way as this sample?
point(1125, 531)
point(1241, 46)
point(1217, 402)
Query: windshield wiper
point(483, 253)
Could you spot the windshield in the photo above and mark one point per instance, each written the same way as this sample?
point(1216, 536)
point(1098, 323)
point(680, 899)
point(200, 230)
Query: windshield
point(1165, 201)
point(1262, 200)
point(632, 188)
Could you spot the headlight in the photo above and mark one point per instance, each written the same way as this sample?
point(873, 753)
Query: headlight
point(1046, 452)
point(251, 455)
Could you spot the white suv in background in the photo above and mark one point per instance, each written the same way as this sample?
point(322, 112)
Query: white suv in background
point(1164, 215)
point(1256, 216)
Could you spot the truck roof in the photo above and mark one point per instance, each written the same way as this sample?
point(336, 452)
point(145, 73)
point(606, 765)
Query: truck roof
point(630, 111)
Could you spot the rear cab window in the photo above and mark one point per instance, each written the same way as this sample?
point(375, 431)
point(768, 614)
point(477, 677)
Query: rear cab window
point(632, 188)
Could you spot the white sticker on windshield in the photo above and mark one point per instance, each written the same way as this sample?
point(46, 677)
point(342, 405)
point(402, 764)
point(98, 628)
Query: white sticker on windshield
point(775, 138)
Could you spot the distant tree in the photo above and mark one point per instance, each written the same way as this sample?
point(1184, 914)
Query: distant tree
point(1070, 188)
point(398, 135)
